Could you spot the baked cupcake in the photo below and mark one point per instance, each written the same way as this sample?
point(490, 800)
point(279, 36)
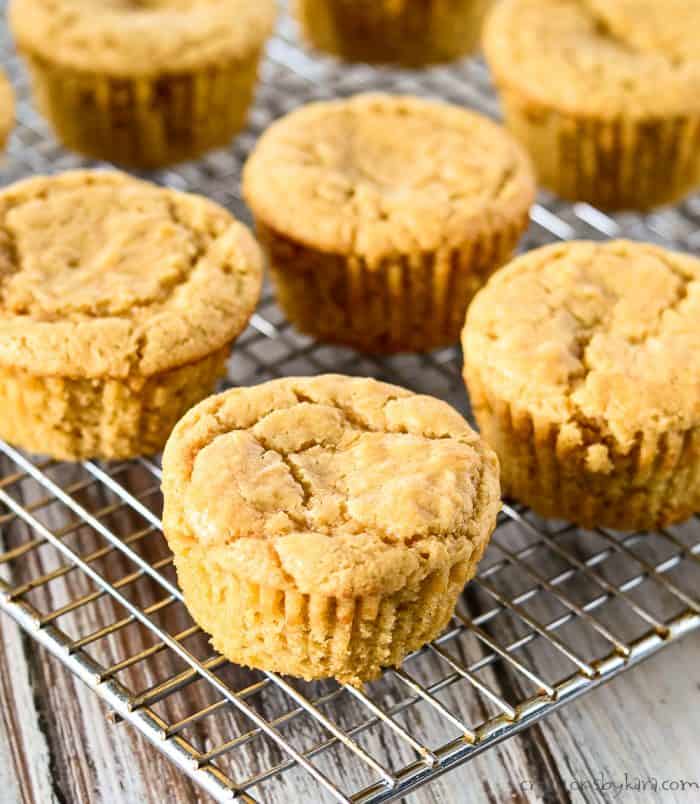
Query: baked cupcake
point(383, 215)
point(119, 301)
point(325, 527)
point(393, 31)
point(143, 83)
point(605, 94)
point(582, 362)
point(7, 109)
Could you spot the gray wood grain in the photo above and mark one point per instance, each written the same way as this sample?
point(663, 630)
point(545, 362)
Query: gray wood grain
point(56, 744)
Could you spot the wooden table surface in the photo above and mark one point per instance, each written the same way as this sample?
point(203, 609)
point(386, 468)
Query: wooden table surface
point(56, 745)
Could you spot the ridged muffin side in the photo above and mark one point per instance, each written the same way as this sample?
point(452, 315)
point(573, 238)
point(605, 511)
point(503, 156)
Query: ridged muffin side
point(393, 31)
point(315, 636)
point(581, 362)
point(405, 303)
point(145, 85)
point(324, 527)
point(119, 302)
point(607, 109)
point(382, 215)
point(72, 418)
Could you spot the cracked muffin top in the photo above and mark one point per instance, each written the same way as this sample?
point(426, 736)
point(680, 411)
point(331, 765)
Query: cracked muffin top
point(102, 275)
point(379, 174)
point(640, 58)
point(335, 485)
point(593, 336)
point(140, 37)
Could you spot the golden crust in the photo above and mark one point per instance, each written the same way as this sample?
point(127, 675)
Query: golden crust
point(606, 331)
point(604, 95)
point(141, 38)
point(595, 58)
point(329, 485)
point(383, 214)
point(669, 28)
point(325, 526)
point(102, 275)
point(143, 84)
point(382, 175)
point(583, 364)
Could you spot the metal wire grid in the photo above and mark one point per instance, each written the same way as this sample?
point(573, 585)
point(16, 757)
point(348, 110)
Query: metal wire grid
point(553, 612)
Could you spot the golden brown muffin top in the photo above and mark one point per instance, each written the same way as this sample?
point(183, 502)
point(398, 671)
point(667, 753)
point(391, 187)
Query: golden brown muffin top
point(104, 275)
point(593, 336)
point(670, 28)
point(380, 175)
point(332, 485)
point(603, 58)
point(141, 37)
point(7, 107)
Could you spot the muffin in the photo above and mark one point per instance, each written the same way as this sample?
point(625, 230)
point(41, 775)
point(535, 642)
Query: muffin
point(7, 108)
point(144, 83)
point(383, 214)
point(408, 32)
point(605, 94)
point(324, 527)
point(582, 362)
point(119, 301)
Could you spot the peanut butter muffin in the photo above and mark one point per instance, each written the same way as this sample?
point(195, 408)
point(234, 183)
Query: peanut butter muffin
point(7, 108)
point(605, 94)
point(583, 366)
point(119, 301)
point(383, 215)
point(143, 82)
point(408, 32)
point(324, 527)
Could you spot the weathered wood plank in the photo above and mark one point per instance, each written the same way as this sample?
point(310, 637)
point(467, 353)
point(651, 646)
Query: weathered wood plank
point(59, 746)
point(62, 747)
point(640, 725)
point(25, 763)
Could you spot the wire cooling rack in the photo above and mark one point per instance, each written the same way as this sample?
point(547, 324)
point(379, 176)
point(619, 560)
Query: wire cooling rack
point(554, 611)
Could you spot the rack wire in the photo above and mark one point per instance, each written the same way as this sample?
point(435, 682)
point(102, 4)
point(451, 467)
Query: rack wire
point(554, 611)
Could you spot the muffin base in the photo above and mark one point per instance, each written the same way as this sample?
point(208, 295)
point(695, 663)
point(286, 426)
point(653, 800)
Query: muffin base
point(145, 122)
point(384, 31)
point(413, 303)
point(316, 636)
point(612, 164)
point(588, 482)
point(74, 419)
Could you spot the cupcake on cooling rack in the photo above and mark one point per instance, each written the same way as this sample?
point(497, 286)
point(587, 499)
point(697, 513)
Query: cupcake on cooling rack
point(7, 109)
point(383, 214)
point(119, 301)
point(583, 367)
point(324, 527)
point(605, 94)
point(143, 83)
point(393, 31)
